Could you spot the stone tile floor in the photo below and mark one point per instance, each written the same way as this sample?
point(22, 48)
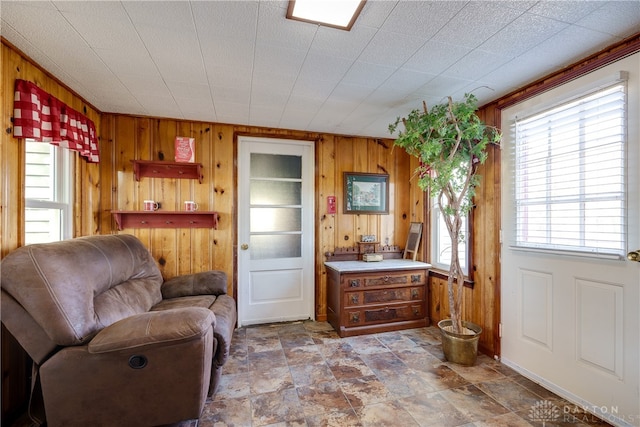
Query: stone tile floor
point(303, 374)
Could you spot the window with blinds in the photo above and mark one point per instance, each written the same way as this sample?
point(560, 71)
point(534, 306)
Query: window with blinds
point(47, 213)
point(570, 176)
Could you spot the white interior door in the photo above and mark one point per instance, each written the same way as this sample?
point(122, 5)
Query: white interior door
point(275, 230)
point(569, 322)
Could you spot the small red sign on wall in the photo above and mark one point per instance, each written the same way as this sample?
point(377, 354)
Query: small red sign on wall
point(331, 204)
point(185, 149)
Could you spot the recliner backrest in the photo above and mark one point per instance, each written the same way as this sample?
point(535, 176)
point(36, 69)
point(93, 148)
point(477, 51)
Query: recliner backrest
point(75, 288)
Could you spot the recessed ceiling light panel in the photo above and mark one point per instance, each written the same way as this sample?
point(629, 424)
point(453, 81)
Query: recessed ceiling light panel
point(341, 14)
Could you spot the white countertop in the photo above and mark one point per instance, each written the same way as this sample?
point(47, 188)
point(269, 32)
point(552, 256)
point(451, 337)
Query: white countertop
point(387, 264)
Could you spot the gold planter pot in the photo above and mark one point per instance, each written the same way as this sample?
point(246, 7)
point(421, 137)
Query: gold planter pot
point(460, 348)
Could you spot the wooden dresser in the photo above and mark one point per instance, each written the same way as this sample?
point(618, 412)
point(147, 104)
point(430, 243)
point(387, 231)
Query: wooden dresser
point(368, 297)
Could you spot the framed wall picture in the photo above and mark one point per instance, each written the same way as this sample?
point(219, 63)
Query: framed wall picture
point(366, 193)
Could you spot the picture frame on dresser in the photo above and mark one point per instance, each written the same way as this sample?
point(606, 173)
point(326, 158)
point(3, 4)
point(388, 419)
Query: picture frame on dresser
point(366, 193)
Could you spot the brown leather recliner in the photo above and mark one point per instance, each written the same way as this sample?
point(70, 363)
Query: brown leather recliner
point(113, 344)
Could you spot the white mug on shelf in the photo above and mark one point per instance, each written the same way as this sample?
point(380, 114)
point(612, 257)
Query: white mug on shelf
point(190, 206)
point(150, 205)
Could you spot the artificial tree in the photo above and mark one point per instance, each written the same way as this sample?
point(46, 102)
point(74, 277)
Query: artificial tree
point(449, 141)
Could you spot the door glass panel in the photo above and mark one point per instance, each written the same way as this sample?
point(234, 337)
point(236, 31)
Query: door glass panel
point(267, 192)
point(275, 246)
point(275, 166)
point(275, 219)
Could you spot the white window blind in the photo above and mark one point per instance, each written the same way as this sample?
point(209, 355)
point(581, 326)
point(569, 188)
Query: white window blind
point(570, 176)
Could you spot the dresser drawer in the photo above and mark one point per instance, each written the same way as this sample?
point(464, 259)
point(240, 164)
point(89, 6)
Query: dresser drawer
point(402, 278)
point(381, 296)
point(384, 314)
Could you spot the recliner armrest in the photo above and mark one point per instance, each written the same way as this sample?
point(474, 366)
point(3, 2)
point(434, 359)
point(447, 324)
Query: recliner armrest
point(212, 282)
point(153, 328)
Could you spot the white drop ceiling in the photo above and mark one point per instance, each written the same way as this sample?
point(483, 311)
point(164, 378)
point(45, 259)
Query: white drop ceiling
point(242, 62)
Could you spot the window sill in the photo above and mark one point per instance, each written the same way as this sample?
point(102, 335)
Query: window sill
point(442, 274)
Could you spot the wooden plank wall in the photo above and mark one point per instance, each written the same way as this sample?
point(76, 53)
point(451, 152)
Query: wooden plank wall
point(183, 250)
point(110, 185)
point(15, 367)
point(15, 66)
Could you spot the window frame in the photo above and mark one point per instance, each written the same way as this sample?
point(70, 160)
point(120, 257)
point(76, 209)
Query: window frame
point(62, 165)
point(435, 231)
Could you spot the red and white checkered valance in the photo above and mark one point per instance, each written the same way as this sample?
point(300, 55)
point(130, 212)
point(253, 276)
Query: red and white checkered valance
point(40, 116)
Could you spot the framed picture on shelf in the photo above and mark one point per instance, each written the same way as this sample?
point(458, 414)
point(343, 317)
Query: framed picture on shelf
point(366, 193)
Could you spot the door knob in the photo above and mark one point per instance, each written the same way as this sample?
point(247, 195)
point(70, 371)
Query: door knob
point(634, 256)
point(244, 246)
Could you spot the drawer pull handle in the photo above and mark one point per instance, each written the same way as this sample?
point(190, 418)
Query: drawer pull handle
point(385, 278)
point(416, 312)
point(386, 309)
point(415, 278)
point(414, 293)
point(354, 283)
point(355, 318)
point(354, 299)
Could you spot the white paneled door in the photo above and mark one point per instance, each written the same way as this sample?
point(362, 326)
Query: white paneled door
point(571, 322)
point(275, 230)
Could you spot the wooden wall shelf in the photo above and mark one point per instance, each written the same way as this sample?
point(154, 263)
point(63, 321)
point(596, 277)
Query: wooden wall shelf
point(143, 219)
point(161, 169)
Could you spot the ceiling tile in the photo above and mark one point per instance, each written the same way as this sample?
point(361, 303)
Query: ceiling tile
point(435, 57)
point(274, 29)
point(476, 23)
point(216, 21)
point(312, 89)
point(375, 13)
point(522, 34)
point(352, 92)
point(270, 59)
point(619, 18)
point(232, 53)
point(390, 49)
point(220, 77)
point(332, 42)
point(119, 60)
point(323, 67)
point(103, 25)
point(398, 86)
point(565, 11)
point(172, 16)
point(422, 19)
point(475, 65)
point(264, 115)
point(365, 74)
point(442, 85)
point(176, 53)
